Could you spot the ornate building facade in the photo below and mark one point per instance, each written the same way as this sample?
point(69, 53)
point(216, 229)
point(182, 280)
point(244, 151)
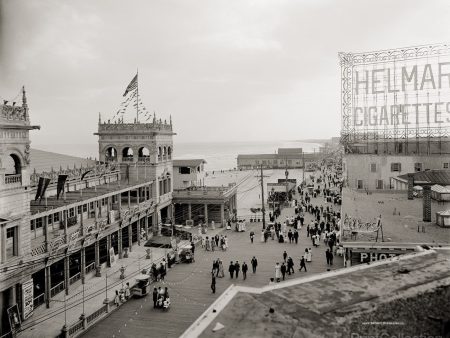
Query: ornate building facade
point(81, 219)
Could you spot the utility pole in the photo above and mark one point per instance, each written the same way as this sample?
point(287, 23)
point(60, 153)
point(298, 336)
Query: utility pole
point(262, 199)
point(304, 167)
point(286, 173)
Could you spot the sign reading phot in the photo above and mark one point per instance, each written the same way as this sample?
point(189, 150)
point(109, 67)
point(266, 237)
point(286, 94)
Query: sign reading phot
point(27, 298)
point(397, 90)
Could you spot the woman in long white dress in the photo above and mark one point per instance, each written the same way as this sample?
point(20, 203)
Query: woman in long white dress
point(309, 255)
point(262, 236)
point(221, 273)
point(277, 272)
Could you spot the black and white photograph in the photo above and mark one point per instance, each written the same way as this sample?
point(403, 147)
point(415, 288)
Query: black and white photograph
point(225, 168)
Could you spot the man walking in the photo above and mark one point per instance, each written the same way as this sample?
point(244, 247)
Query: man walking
point(302, 264)
point(290, 265)
point(155, 297)
point(231, 269)
point(213, 282)
point(327, 255)
point(254, 262)
point(296, 236)
point(283, 270)
point(252, 236)
point(244, 270)
point(237, 267)
point(284, 256)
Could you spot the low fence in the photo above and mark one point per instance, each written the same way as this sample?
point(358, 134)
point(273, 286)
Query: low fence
point(85, 322)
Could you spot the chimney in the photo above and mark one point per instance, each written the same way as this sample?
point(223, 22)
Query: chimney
point(426, 203)
point(410, 186)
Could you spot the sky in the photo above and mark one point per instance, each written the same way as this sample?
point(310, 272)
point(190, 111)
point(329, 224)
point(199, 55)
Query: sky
point(241, 70)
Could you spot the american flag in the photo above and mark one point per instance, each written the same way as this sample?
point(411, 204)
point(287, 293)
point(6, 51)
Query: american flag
point(132, 86)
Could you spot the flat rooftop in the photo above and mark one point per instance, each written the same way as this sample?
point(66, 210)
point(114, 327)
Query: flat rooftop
point(405, 290)
point(399, 216)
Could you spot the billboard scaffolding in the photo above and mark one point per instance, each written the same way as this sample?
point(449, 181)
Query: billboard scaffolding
point(396, 101)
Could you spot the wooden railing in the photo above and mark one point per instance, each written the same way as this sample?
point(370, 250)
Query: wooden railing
point(90, 267)
point(56, 289)
point(10, 179)
point(74, 278)
point(39, 300)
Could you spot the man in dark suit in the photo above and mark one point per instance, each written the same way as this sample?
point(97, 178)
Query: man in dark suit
point(237, 267)
point(254, 262)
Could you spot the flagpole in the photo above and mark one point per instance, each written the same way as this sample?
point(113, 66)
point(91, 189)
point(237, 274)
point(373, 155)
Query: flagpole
point(137, 96)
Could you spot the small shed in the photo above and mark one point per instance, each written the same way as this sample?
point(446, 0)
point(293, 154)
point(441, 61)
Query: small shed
point(440, 193)
point(443, 218)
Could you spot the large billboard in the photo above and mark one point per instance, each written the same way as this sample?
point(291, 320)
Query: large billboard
point(400, 93)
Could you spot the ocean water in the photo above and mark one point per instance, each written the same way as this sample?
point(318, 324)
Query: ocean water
point(218, 155)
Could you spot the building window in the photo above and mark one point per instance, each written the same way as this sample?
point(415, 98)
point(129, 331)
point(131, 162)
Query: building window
point(79, 209)
point(417, 167)
point(56, 217)
point(38, 223)
point(84, 207)
point(12, 248)
point(71, 212)
point(360, 184)
point(446, 165)
point(396, 167)
point(50, 219)
point(32, 225)
point(184, 170)
point(257, 162)
point(373, 167)
point(379, 184)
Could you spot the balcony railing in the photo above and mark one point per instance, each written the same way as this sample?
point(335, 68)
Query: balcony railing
point(127, 159)
point(10, 179)
point(39, 300)
point(90, 267)
point(57, 289)
point(110, 159)
point(74, 278)
point(144, 159)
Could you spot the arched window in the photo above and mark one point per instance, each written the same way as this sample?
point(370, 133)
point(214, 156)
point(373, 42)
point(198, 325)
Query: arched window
point(13, 165)
point(169, 153)
point(144, 152)
point(127, 154)
point(159, 153)
point(165, 153)
point(111, 154)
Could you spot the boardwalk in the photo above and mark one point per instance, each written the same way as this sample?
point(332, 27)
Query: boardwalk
point(189, 285)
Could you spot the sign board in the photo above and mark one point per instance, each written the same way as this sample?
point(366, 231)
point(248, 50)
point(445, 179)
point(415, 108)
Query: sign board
point(361, 256)
point(14, 318)
point(401, 92)
point(27, 298)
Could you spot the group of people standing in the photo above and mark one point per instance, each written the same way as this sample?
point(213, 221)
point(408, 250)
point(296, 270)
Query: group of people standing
point(234, 269)
point(215, 242)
